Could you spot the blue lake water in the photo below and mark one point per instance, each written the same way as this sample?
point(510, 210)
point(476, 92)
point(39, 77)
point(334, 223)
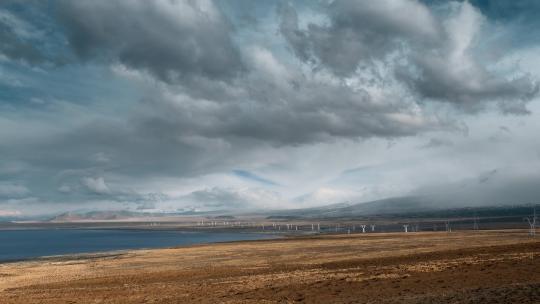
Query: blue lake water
point(27, 244)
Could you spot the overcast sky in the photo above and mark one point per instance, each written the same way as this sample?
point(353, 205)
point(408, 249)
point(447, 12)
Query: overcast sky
point(239, 104)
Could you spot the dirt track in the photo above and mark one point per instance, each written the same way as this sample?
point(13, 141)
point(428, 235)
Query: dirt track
point(480, 267)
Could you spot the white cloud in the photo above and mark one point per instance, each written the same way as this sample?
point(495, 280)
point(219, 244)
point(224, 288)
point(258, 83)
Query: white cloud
point(96, 185)
point(64, 188)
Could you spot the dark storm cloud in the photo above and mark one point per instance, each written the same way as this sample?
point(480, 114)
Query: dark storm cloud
point(197, 43)
point(433, 55)
point(359, 32)
point(269, 102)
point(297, 38)
point(439, 80)
point(170, 39)
point(310, 112)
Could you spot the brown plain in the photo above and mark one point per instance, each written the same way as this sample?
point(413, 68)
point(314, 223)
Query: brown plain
point(460, 267)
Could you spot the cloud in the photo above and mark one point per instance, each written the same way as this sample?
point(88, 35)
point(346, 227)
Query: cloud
point(96, 185)
point(17, 37)
point(437, 57)
point(170, 39)
point(489, 189)
point(180, 105)
point(436, 143)
point(455, 73)
point(12, 190)
point(501, 134)
point(358, 32)
point(101, 157)
point(228, 198)
point(288, 27)
point(485, 177)
point(64, 188)
point(276, 104)
point(328, 196)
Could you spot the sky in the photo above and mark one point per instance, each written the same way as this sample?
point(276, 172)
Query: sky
point(181, 105)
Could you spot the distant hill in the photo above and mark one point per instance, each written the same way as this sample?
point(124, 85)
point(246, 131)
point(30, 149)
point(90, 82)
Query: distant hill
point(411, 206)
point(385, 206)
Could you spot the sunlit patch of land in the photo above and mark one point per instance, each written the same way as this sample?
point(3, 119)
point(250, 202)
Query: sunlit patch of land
point(426, 267)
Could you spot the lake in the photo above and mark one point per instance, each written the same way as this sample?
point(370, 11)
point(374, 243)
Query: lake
point(27, 244)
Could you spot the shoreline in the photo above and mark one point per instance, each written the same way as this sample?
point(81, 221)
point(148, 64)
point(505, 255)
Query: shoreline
point(312, 269)
point(283, 236)
point(116, 253)
point(97, 253)
point(278, 236)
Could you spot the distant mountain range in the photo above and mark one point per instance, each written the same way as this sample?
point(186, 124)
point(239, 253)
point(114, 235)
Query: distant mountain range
point(411, 206)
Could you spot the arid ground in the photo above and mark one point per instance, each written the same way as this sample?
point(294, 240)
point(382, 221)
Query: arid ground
point(436, 267)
